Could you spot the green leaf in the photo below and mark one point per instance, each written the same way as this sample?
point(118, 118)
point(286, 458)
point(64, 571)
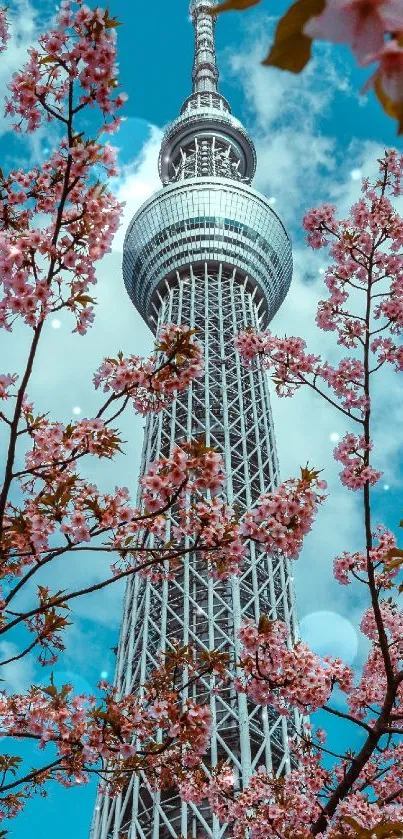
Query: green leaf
point(292, 48)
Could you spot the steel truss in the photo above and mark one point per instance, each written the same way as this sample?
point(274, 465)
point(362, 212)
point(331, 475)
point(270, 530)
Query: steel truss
point(232, 408)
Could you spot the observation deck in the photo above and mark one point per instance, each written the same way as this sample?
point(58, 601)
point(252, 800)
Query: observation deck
point(201, 220)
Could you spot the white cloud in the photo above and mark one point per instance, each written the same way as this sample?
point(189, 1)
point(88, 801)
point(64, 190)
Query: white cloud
point(22, 32)
point(17, 675)
point(327, 633)
point(137, 182)
point(284, 111)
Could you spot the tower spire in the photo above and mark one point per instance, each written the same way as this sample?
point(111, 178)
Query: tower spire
point(205, 73)
point(205, 140)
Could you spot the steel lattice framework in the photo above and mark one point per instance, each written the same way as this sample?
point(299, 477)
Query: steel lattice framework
point(207, 251)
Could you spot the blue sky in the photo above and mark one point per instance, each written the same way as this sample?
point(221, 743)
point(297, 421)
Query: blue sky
point(314, 136)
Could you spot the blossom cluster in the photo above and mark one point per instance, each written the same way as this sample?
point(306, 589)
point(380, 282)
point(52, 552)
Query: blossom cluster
point(283, 675)
point(57, 447)
point(190, 468)
point(374, 33)
point(151, 385)
point(287, 356)
point(44, 271)
point(292, 368)
point(155, 732)
point(77, 54)
point(215, 527)
point(281, 519)
point(372, 686)
point(269, 807)
point(184, 479)
point(7, 380)
point(351, 453)
point(356, 564)
point(388, 351)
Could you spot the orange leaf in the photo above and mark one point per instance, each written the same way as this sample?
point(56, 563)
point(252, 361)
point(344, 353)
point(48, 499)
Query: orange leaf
point(383, 830)
point(308, 474)
point(394, 552)
point(232, 6)
point(392, 109)
point(292, 49)
point(265, 625)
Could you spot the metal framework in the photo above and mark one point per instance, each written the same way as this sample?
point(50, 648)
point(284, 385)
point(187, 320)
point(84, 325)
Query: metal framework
point(207, 251)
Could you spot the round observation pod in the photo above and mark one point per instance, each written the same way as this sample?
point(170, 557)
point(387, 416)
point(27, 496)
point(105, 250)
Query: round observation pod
point(206, 138)
point(201, 220)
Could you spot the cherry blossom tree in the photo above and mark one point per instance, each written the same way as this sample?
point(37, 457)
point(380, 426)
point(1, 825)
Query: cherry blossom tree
point(57, 220)
point(361, 794)
point(373, 29)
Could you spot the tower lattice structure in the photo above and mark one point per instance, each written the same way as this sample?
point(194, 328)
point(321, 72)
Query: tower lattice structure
point(207, 251)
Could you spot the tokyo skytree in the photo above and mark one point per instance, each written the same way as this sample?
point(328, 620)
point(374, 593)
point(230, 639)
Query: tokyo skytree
point(207, 251)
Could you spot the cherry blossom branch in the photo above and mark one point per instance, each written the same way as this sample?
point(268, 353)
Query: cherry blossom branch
point(31, 776)
point(348, 717)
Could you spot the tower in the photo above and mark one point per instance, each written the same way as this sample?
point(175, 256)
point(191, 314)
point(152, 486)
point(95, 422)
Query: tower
point(207, 251)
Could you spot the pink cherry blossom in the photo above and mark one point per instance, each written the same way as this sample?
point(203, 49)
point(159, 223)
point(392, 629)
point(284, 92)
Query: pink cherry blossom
point(351, 453)
point(152, 384)
point(275, 674)
point(362, 24)
point(389, 73)
point(280, 520)
point(7, 380)
point(85, 731)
